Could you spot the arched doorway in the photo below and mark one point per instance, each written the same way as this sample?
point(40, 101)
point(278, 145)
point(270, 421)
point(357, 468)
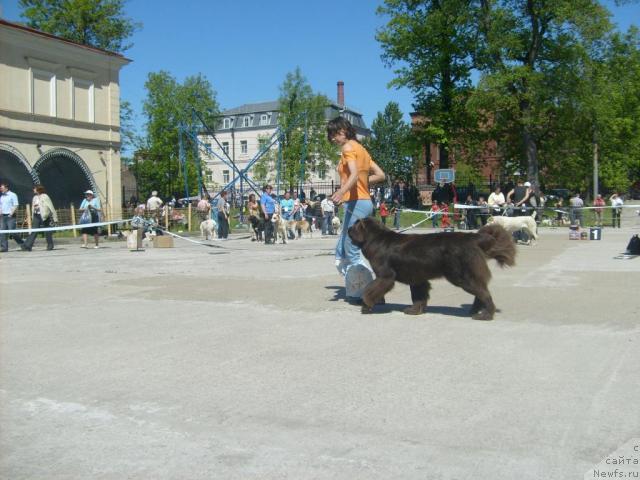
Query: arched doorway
point(65, 176)
point(15, 170)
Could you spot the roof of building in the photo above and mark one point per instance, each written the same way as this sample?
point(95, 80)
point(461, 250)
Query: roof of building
point(33, 31)
point(252, 109)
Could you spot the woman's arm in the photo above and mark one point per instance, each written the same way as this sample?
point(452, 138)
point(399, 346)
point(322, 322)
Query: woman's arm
point(350, 182)
point(377, 175)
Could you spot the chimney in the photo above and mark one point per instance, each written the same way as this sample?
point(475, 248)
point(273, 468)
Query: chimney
point(341, 93)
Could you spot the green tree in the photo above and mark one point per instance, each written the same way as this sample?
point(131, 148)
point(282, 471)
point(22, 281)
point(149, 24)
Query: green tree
point(98, 23)
point(300, 110)
point(432, 44)
point(391, 144)
point(168, 105)
point(530, 53)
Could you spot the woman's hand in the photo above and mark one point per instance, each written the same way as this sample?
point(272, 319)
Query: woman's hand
point(337, 196)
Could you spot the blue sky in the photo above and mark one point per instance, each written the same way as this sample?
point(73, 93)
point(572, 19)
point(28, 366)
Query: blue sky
point(246, 47)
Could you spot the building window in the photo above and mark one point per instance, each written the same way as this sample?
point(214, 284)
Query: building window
point(264, 119)
point(262, 143)
point(43, 93)
point(83, 100)
point(246, 122)
point(225, 147)
point(226, 123)
point(207, 147)
point(225, 176)
point(243, 146)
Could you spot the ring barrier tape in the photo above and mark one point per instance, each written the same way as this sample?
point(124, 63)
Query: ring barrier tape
point(66, 227)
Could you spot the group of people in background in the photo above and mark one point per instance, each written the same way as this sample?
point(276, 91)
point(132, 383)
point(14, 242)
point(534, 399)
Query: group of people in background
point(44, 215)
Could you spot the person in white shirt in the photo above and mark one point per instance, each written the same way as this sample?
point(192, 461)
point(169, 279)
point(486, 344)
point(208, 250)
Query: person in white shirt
point(327, 215)
point(496, 201)
point(154, 204)
point(8, 207)
point(44, 214)
point(616, 211)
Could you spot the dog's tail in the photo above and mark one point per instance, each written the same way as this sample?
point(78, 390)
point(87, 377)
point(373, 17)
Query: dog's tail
point(496, 243)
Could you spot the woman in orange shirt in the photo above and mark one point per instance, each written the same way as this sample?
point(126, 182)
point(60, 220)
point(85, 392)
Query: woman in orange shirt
point(357, 170)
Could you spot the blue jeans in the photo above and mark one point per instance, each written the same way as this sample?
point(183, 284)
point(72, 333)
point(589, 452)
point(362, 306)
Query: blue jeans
point(327, 227)
point(347, 254)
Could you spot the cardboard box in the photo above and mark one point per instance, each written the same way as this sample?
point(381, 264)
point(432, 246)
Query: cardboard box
point(163, 241)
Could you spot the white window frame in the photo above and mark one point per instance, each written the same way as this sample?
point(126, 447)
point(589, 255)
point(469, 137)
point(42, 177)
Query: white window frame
point(226, 176)
point(227, 123)
point(244, 147)
point(246, 121)
point(225, 147)
point(92, 99)
point(264, 119)
point(53, 104)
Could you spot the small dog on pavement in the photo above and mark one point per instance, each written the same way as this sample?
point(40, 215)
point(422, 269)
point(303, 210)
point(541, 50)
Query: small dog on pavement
point(335, 224)
point(208, 229)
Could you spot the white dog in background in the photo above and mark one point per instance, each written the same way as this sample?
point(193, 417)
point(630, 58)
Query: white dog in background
point(280, 227)
point(335, 224)
point(514, 224)
point(208, 229)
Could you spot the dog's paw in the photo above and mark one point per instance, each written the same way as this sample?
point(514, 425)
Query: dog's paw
point(415, 309)
point(366, 309)
point(482, 315)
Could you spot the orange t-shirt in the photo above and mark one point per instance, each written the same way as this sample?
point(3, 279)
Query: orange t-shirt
point(360, 190)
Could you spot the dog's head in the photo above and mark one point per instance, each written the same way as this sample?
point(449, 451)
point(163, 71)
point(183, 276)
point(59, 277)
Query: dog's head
point(360, 231)
point(275, 218)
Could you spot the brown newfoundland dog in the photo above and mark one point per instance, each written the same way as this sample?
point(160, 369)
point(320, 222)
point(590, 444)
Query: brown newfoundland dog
point(461, 258)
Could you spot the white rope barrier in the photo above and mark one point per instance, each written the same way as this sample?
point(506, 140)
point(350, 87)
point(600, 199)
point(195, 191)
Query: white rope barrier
point(66, 227)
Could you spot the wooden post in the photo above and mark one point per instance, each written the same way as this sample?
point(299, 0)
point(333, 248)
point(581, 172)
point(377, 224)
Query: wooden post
point(28, 215)
point(166, 217)
point(73, 220)
point(189, 217)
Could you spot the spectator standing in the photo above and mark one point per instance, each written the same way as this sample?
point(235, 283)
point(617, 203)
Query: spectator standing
point(154, 203)
point(435, 217)
point(396, 213)
point(204, 208)
point(384, 212)
point(520, 193)
point(43, 215)
point(470, 214)
point(268, 205)
point(222, 210)
point(327, 216)
point(91, 204)
point(286, 206)
point(496, 201)
point(9, 206)
point(483, 210)
point(297, 207)
point(576, 205)
point(598, 202)
point(616, 210)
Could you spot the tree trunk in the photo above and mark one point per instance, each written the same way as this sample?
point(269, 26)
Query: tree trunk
point(531, 154)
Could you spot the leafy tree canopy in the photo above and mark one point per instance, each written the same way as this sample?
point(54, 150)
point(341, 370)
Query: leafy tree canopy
point(98, 23)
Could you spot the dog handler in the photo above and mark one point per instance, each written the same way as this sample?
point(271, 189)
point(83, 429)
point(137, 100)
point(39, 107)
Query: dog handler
point(357, 170)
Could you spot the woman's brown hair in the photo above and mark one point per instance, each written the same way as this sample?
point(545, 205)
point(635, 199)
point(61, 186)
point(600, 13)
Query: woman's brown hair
point(40, 189)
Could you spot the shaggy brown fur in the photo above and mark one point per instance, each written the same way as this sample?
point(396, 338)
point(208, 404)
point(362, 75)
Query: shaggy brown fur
point(461, 258)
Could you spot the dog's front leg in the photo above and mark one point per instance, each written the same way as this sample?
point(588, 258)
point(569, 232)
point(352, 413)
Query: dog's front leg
point(376, 291)
point(419, 297)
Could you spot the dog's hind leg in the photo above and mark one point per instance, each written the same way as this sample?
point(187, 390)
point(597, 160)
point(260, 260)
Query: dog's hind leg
point(376, 290)
point(419, 297)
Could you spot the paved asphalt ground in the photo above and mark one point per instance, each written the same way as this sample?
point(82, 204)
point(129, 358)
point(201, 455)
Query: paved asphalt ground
point(245, 362)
